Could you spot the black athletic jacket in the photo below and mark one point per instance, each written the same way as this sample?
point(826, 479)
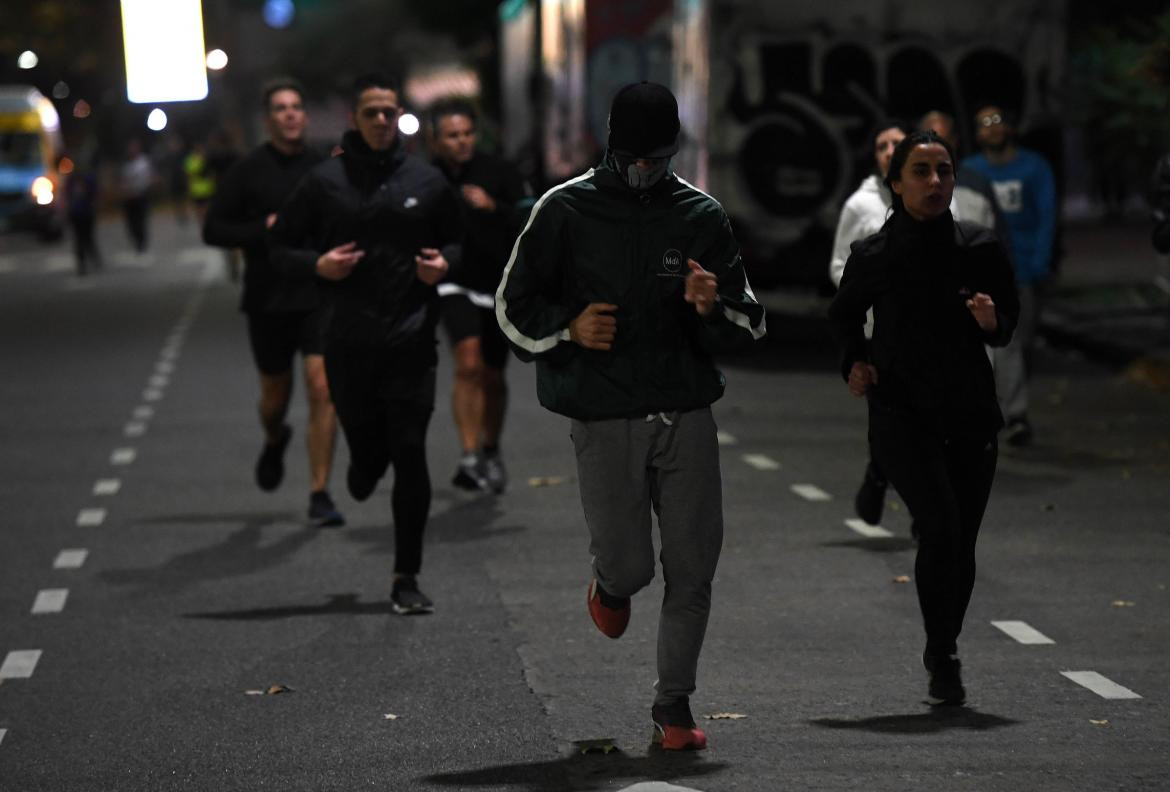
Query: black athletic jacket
point(490, 235)
point(391, 204)
point(927, 347)
point(253, 188)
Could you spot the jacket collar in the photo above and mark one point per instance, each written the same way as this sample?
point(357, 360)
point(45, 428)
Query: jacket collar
point(607, 178)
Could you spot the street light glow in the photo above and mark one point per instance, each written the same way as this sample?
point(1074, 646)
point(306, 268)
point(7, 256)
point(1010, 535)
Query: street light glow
point(408, 123)
point(28, 60)
point(165, 55)
point(217, 59)
point(157, 120)
point(279, 13)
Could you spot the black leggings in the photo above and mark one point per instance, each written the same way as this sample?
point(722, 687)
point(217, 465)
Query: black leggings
point(384, 412)
point(944, 475)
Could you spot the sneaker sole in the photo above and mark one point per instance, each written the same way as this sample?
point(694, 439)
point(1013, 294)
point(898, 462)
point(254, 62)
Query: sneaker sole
point(335, 521)
point(414, 610)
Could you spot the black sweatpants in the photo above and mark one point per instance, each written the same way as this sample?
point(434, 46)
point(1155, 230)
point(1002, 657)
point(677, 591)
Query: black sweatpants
point(384, 406)
point(944, 475)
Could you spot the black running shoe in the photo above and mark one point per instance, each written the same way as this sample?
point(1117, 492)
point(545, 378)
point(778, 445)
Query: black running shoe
point(359, 483)
point(1019, 431)
point(407, 600)
point(946, 681)
point(871, 498)
point(468, 475)
point(322, 512)
point(270, 465)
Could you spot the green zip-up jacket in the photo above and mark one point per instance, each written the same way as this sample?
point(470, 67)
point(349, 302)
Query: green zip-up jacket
point(593, 239)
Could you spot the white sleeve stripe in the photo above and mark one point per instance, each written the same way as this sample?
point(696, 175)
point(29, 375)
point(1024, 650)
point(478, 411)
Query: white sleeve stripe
point(533, 345)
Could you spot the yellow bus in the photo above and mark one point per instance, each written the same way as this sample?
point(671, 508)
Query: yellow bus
point(30, 146)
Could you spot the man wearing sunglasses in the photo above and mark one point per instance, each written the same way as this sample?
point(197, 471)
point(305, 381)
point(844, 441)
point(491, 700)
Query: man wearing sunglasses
point(621, 286)
point(1026, 192)
point(378, 228)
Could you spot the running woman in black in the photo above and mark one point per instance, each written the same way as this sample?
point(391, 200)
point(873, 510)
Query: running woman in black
point(940, 290)
point(378, 229)
point(284, 315)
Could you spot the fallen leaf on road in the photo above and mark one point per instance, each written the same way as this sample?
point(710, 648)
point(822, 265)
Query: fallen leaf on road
point(602, 746)
point(390, 716)
point(1099, 722)
point(725, 716)
point(1122, 604)
point(902, 579)
point(546, 481)
point(895, 506)
point(271, 691)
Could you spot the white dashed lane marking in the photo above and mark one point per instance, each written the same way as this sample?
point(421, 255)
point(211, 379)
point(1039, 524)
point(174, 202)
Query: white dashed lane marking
point(152, 394)
point(811, 492)
point(158, 380)
point(164, 367)
point(725, 439)
point(867, 530)
point(1023, 632)
point(89, 518)
point(2, 733)
point(107, 486)
point(50, 601)
point(123, 456)
point(70, 559)
point(144, 412)
point(1102, 686)
point(761, 462)
point(20, 664)
point(134, 429)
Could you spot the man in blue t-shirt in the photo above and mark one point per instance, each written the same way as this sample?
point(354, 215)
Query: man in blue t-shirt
point(1026, 192)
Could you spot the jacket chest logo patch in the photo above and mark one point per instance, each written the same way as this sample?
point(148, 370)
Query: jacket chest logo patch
point(672, 262)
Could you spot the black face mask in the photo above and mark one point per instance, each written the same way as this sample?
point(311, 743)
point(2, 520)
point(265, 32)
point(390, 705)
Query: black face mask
point(637, 179)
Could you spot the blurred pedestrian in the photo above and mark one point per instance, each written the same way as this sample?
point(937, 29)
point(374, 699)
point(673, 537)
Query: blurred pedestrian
point(621, 285)
point(864, 213)
point(136, 178)
point(940, 290)
point(81, 202)
point(974, 197)
point(379, 228)
point(284, 315)
point(1160, 204)
point(492, 193)
point(1026, 192)
point(200, 181)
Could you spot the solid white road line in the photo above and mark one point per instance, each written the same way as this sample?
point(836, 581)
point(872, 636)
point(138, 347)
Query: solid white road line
point(89, 518)
point(2, 733)
point(1102, 686)
point(164, 367)
point(20, 664)
point(761, 462)
point(1023, 632)
point(123, 456)
point(107, 486)
point(72, 558)
point(143, 412)
point(50, 601)
point(725, 439)
point(134, 429)
point(867, 530)
point(811, 492)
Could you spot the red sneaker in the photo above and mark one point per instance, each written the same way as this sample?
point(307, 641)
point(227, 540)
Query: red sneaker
point(611, 621)
point(675, 730)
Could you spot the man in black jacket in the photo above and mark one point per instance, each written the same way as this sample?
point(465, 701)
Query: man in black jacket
point(493, 197)
point(283, 316)
point(378, 228)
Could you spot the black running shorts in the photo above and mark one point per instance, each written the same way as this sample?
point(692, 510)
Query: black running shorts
point(276, 338)
point(464, 319)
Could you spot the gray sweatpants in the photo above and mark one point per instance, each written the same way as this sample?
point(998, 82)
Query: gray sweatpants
point(669, 462)
point(1010, 362)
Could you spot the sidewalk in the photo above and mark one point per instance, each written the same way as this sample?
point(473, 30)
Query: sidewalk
point(1111, 301)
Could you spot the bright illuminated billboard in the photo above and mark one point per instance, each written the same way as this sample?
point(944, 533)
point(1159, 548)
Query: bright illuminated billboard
point(164, 47)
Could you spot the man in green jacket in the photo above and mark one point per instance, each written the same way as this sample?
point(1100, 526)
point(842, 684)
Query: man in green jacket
point(621, 286)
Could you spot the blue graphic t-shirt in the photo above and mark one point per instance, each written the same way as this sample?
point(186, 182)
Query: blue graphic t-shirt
point(1026, 193)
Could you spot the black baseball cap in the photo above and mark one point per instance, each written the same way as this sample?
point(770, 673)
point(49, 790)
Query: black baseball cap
point(643, 121)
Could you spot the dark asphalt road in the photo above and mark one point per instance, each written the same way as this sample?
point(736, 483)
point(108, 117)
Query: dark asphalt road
point(197, 588)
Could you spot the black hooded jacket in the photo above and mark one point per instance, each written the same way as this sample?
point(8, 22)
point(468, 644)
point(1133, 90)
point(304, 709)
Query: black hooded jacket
point(391, 204)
